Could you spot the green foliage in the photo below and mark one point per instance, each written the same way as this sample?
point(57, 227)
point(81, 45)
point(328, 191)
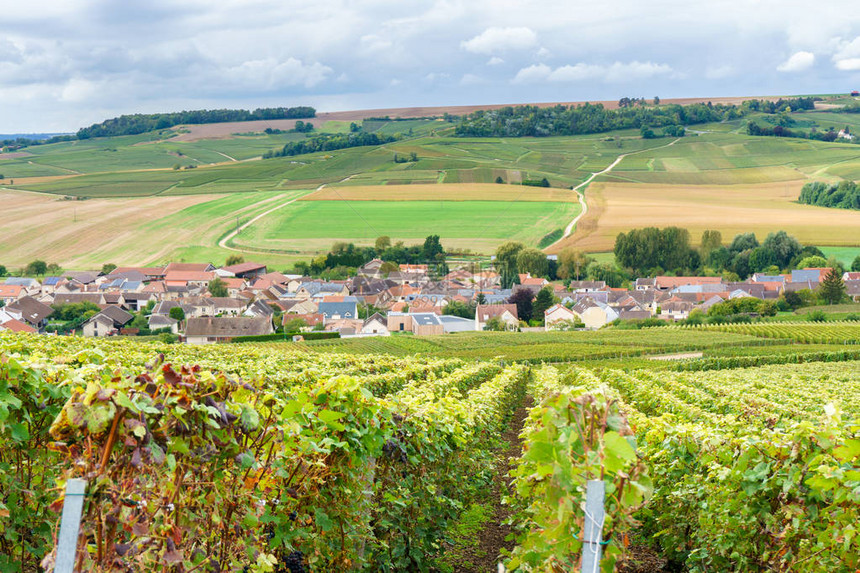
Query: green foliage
point(75, 311)
point(176, 313)
point(495, 324)
point(330, 142)
point(644, 249)
point(550, 238)
point(743, 305)
point(217, 287)
point(108, 268)
point(506, 261)
point(575, 434)
point(3, 271)
point(234, 260)
point(842, 195)
point(461, 309)
point(544, 299)
point(142, 123)
point(37, 268)
point(855, 265)
point(532, 261)
point(832, 289)
point(813, 262)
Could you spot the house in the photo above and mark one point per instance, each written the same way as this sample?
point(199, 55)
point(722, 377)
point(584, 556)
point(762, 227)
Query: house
point(587, 286)
point(852, 289)
point(634, 314)
point(375, 324)
point(160, 321)
point(79, 297)
point(32, 312)
point(11, 293)
point(851, 276)
point(344, 326)
point(371, 269)
point(319, 288)
point(107, 322)
point(246, 270)
point(418, 323)
point(50, 284)
point(149, 273)
point(809, 275)
point(12, 321)
point(556, 314)
point(669, 283)
point(211, 329)
point(506, 312)
point(190, 267)
point(226, 306)
point(311, 320)
point(188, 278)
point(452, 323)
point(259, 308)
point(339, 310)
point(594, 314)
point(675, 310)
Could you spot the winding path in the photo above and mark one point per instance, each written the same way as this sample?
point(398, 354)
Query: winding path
point(569, 229)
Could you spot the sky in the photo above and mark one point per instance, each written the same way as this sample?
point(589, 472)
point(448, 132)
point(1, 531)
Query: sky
point(65, 64)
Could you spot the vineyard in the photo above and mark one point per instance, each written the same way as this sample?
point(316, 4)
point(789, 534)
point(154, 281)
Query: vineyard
point(271, 457)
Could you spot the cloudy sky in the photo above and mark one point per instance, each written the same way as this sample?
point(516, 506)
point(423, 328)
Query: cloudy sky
point(69, 63)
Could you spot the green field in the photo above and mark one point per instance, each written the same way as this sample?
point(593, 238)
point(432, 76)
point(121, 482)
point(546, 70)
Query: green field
point(460, 223)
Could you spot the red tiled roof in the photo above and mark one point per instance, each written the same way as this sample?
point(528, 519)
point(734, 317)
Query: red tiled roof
point(185, 276)
point(244, 267)
point(17, 326)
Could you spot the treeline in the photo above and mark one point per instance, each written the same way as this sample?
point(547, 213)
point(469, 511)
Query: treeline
point(651, 251)
point(533, 121)
point(344, 258)
point(754, 128)
point(842, 195)
point(22, 142)
point(144, 122)
point(330, 142)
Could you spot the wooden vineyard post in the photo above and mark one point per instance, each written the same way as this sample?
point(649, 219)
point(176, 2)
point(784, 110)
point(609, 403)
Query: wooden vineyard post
point(592, 532)
point(70, 524)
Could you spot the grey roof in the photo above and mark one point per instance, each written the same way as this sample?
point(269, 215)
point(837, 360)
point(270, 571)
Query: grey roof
point(76, 297)
point(117, 315)
point(425, 318)
point(32, 311)
point(161, 321)
point(21, 281)
point(83, 277)
point(259, 308)
point(456, 323)
point(342, 309)
point(805, 275)
point(315, 287)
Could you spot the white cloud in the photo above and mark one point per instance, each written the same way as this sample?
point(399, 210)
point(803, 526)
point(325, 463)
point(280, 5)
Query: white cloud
point(848, 64)
point(270, 74)
point(499, 40)
point(798, 62)
point(495, 61)
point(471, 80)
point(847, 58)
point(719, 72)
point(533, 73)
point(617, 73)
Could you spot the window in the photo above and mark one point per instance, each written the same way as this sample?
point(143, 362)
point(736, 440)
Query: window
point(401, 326)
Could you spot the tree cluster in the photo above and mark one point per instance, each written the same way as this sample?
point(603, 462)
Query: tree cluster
point(144, 122)
point(330, 142)
point(644, 250)
point(344, 258)
point(842, 195)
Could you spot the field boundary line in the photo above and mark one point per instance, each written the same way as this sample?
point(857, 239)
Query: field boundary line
point(570, 227)
point(223, 243)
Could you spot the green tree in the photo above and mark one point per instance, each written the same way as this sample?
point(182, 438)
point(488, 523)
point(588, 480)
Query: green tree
point(813, 262)
point(711, 241)
point(382, 243)
point(53, 269)
point(234, 260)
point(545, 299)
point(432, 248)
point(36, 268)
point(743, 242)
point(783, 248)
point(108, 268)
point(461, 309)
point(217, 287)
point(832, 289)
point(295, 325)
point(4, 271)
point(365, 311)
point(499, 180)
point(176, 313)
point(855, 266)
point(656, 100)
point(532, 261)
point(495, 324)
point(506, 261)
point(572, 263)
point(647, 133)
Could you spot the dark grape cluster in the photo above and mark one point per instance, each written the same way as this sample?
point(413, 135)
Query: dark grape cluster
point(394, 451)
point(295, 562)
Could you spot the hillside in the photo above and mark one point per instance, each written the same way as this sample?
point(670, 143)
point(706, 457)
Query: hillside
point(204, 180)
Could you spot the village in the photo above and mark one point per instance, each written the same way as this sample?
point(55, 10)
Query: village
point(251, 300)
